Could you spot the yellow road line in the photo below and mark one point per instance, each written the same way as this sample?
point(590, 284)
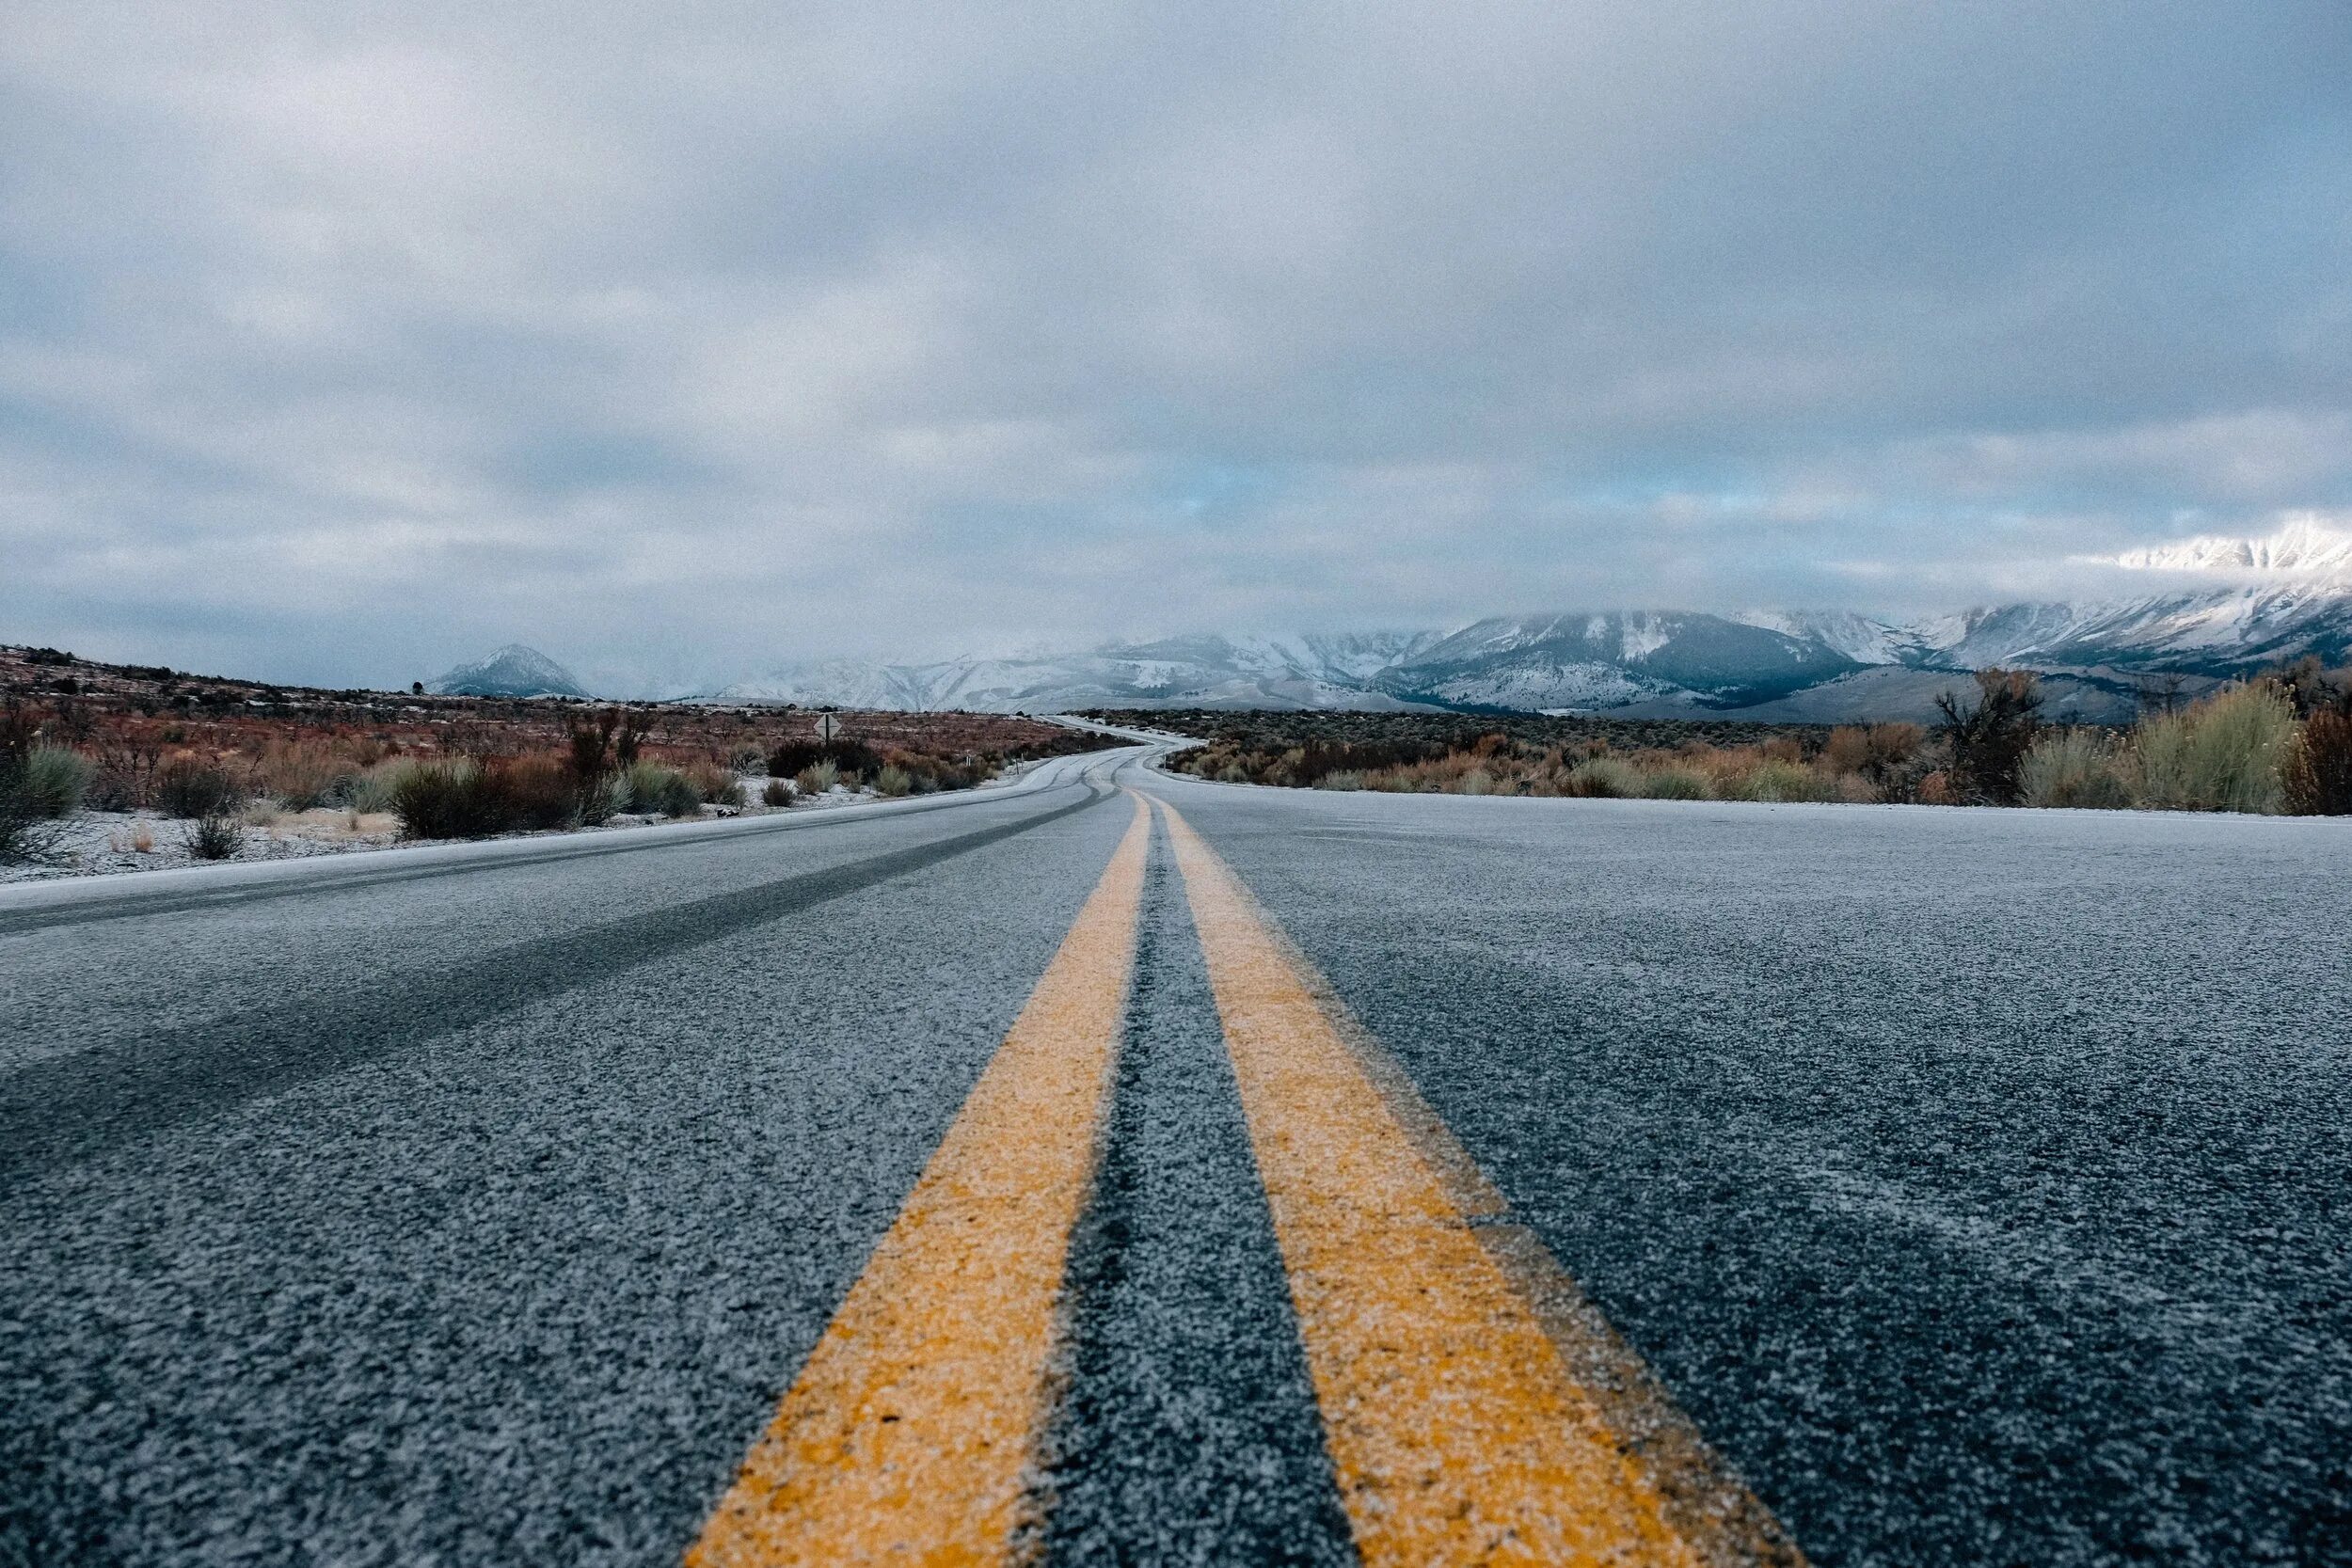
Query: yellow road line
point(1457, 1430)
point(907, 1433)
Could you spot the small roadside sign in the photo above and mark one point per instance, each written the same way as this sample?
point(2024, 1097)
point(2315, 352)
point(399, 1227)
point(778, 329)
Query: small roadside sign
point(827, 727)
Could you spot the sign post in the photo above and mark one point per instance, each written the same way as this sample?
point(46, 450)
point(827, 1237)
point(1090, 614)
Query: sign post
point(827, 727)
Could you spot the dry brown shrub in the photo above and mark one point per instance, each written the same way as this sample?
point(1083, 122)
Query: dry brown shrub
point(300, 773)
point(2318, 773)
point(1936, 790)
point(1848, 749)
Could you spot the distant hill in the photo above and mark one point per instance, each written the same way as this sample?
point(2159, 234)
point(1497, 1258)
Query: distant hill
point(513, 671)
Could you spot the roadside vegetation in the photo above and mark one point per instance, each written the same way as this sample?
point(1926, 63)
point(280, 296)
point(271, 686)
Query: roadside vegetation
point(106, 767)
point(2282, 743)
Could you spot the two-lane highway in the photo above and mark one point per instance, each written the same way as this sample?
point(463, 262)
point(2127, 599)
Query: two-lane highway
point(1133, 1169)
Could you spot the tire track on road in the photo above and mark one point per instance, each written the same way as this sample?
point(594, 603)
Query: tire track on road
point(63, 1110)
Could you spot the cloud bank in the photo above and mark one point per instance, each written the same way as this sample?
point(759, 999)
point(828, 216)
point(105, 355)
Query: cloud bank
point(337, 340)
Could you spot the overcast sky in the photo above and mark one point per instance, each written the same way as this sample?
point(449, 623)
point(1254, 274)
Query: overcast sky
point(339, 340)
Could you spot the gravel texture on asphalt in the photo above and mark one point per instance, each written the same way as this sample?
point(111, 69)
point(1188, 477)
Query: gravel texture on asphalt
point(1978, 1180)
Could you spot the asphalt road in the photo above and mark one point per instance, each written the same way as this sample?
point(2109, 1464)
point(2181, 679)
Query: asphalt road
point(1974, 1183)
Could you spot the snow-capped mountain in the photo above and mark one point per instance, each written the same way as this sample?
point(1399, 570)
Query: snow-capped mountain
point(1611, 660)
point(2212, 609)
point(2306, 548)
point(1312, 671)
point(513, 671)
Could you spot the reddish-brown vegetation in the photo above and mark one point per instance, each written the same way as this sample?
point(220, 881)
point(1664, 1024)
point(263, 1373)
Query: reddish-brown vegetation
point(199, 746)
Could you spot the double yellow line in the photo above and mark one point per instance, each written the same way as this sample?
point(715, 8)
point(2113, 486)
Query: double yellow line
point(1475, 1409)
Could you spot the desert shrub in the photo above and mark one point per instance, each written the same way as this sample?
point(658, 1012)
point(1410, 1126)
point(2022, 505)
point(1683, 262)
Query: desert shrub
point(893, 780)
point(1871, 751)
point(1989, 741)
point(713, 784)
point(125, 779)
point(2072, 768)
point(24, 833)
point(663, 790)
point(2228, 753)
point(599, 800)
point(372, 790)
point(51, 781)
point(2318, 774)
point(854, 756)
point(747, 759)
point(816, 778)
point(2313, 689)
point(1675, 784)
point(441, 799)
point(467, 797)
point(23, 837)
point(792, 756)
point(1342, 779)
point(193, 789)
point(1854, 789)
point(1936, 789)
point(536, 792)
point(1604, 778)
point(300, 774)
point(778, 793)
point(213, 836)
point(589, 749)
point(1780, 780)
point(1847, 749)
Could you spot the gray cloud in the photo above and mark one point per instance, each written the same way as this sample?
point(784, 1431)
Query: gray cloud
point(337, 340)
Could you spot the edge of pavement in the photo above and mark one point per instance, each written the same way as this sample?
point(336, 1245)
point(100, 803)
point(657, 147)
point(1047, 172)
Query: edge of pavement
point(201, 881)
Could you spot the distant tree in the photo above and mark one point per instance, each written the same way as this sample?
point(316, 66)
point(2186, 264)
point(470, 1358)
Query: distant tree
point(2158, 693)
point(591, 756)
point(1989, 741)
point(2312, 688)
point(416, 688)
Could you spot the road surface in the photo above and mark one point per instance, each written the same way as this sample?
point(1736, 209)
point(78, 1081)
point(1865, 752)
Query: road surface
point(1258, 1176)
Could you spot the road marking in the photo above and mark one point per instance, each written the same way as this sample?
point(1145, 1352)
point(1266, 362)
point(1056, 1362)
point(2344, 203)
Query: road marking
point(907, 1433)
point(1457, 1430)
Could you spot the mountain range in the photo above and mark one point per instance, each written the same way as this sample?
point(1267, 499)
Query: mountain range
point(2219, 608)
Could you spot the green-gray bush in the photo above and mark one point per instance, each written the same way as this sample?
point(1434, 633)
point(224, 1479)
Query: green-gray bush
point(1774, 780)
point(1605, 777)
point(816, 778)
point(213, 836)
point(1675, 784)
point(193, 789)
point(655, 788)
point(54, 781)
point(2074, 767)
point(2225, 754)
point(374, 791)
point(893, 780)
